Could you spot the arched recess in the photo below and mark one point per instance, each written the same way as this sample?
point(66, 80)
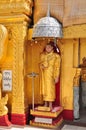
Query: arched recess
point(33, 49)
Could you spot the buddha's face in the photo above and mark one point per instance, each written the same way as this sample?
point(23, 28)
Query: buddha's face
point(48, 48)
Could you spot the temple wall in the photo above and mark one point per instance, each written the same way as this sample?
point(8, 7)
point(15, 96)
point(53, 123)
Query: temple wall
point(23, 58)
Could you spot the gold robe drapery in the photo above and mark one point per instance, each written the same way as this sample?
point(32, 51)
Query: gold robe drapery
point(51, 62)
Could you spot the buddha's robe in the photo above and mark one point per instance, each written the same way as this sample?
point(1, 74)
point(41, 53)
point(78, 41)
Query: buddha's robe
point(48, 74)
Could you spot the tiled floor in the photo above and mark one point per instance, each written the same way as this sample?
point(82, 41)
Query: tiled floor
point(22, 128)
point(72, 127)
point(65, 126)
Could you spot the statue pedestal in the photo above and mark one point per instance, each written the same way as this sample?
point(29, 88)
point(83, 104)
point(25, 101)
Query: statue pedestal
point(4, 121)
point(48, 119)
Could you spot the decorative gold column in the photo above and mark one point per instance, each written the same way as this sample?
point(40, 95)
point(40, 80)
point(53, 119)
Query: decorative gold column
point(14, 15)
point(19, 37)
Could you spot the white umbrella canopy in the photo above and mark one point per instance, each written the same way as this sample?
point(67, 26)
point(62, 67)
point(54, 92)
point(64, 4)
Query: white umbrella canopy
point(47, 27)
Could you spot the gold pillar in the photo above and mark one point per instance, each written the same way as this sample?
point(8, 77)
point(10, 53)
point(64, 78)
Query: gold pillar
point(82, 49)
point(67, 73)
point(19, 34)
point(76, 53)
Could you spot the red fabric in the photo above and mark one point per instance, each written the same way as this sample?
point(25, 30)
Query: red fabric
point(57, 100)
